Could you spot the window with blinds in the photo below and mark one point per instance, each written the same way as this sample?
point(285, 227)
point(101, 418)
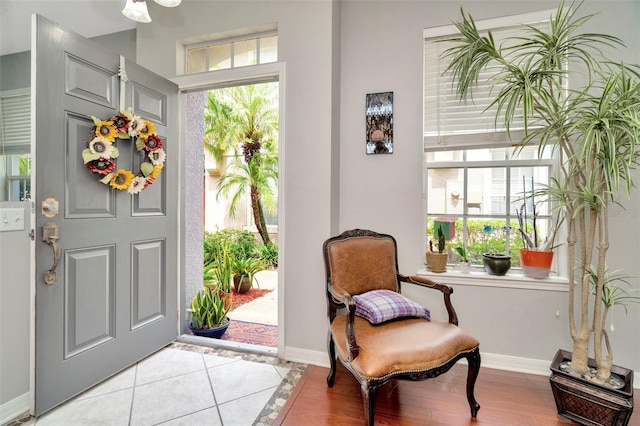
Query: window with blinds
point(453, 124)
point(15, 146)
point(474, 179)
point(15, 123)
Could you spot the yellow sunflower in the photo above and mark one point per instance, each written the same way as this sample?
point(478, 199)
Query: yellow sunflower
point(156, 171)
point(147, 129)
point(106, 130)
point(121, 179)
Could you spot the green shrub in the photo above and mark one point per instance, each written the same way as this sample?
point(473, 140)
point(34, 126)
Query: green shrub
point(269, 254)
point(241, 244)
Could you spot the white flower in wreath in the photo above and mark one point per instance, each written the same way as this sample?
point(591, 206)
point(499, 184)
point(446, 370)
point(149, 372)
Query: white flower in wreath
point(137, 185)
point(101, 147)
point(157, 157)
point(137, 124)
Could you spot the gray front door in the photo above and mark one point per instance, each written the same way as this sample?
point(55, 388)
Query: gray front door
point(114, 300)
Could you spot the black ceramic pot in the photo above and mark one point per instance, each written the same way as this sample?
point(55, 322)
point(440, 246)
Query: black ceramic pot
point(496, 264)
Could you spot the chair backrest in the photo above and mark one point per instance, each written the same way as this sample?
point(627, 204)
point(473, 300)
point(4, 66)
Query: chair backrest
point(359, 260)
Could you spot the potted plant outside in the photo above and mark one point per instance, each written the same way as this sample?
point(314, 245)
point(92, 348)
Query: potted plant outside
point(535, 257)
point(244, 270)
point(218, 274)
point(437, 261)
point(209, 314)
point(594, 126)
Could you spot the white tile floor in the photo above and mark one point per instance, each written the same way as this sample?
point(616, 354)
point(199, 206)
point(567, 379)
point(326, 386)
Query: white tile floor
point(174, 387)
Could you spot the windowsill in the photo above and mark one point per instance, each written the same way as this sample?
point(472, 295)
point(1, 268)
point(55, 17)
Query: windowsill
point(511, 280)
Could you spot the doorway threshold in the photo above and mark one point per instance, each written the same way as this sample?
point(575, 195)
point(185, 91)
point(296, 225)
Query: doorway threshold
point(227, 344)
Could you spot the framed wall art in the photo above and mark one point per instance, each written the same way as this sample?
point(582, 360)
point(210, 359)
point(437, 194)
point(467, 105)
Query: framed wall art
point(379, 117)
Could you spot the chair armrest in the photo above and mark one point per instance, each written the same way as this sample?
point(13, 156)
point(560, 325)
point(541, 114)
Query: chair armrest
point(343, 299)
point(444, 289)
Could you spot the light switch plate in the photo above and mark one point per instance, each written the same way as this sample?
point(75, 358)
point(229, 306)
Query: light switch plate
point(11, 219)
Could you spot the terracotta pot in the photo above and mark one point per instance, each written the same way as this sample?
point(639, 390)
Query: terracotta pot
point(536, 264)
point(228, 299)
point(437, 262)
point(241, 285)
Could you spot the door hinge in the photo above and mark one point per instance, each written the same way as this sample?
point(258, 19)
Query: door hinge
point(32, 234)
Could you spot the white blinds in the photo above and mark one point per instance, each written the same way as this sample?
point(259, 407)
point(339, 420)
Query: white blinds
point(15, 123)
point(453, 124)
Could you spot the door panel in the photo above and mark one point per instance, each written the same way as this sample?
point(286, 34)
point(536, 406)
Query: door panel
point(90, 82)
point(149, 284)
point(82, 199)
point(115, 298)
point(89, 320)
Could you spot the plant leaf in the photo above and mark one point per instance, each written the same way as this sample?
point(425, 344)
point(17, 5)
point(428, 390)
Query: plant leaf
point(87, 155)
point(146, 168)
point(107, 179)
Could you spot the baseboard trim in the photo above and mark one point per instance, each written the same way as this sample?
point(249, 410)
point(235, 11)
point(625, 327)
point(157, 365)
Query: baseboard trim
point(497, 361)
point(14, 408)
point(306, 356)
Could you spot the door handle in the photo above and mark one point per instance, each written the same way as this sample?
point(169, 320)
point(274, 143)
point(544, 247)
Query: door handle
point(51, 235)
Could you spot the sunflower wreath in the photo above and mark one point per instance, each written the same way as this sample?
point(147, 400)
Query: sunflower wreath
point(101, 153)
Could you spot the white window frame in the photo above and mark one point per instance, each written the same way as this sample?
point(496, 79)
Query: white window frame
point(489, 139)
point(231, 40)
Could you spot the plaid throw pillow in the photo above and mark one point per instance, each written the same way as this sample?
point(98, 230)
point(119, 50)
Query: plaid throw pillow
point(378, 306)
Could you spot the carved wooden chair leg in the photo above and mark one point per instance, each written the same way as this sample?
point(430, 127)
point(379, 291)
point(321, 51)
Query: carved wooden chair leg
point(369, 394)
point(332, 360)
point(474, 368)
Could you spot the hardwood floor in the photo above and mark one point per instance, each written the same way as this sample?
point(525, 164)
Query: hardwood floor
point(505, 398)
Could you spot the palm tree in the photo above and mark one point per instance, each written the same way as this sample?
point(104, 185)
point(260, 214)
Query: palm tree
point(245, 119)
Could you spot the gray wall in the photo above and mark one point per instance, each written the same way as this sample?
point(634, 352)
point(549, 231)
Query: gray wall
point(14, 309)
point(382, 51)
point(14, 269)
point(15, 71)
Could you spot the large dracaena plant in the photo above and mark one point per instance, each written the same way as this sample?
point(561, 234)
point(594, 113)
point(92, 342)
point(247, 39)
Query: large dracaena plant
point(594, 129)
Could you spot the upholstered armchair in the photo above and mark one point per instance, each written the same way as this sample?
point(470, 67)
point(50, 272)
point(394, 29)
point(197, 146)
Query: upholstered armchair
point(362, 265)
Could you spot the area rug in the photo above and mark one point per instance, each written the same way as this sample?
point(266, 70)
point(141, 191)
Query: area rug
point(252, 333)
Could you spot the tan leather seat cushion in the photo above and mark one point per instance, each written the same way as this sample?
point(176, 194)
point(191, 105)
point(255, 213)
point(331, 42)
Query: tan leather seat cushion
point(400, 346)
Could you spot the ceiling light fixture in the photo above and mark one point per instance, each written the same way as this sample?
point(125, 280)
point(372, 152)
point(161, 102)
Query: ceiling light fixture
point(168, 3)
point(137, 9)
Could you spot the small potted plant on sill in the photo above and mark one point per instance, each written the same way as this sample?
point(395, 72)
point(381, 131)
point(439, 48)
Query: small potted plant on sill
point(465, 264)
point(244, 270)
point(495, 263)
point(209, 314)
point(437, 261)
point(536, 257)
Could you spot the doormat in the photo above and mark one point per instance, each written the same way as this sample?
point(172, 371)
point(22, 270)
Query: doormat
point(253, 333)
